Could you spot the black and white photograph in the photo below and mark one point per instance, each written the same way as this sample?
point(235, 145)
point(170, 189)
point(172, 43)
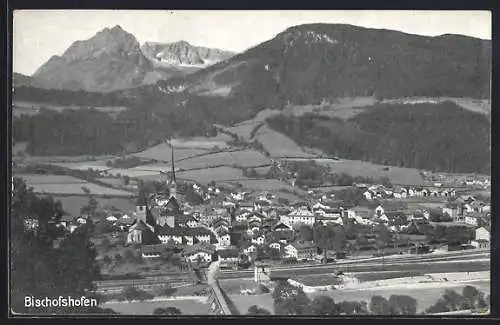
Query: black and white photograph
point(187, 163)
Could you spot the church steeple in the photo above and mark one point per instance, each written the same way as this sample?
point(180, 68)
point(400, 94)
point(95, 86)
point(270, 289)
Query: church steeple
point(173, 185)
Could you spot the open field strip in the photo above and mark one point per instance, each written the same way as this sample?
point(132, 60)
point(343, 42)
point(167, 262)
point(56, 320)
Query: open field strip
point(163, 152)
point(279, 145)
point(219, 141)
point(189, 305)
point(63, 184)
point(241, 158)
point(397, 175)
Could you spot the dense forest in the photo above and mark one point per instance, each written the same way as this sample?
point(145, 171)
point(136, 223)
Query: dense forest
point(437, 137)
point(148, 121)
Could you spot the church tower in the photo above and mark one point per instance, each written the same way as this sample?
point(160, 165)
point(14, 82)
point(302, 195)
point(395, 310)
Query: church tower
point(141, 206)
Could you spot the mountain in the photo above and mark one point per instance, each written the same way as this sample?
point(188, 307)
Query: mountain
point(184, 54)
point(179, 59)
point(110, 60)
point(19, 80)
point(309, 63)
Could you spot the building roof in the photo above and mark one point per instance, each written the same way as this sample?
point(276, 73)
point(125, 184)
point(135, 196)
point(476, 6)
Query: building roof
point(228, 252)
point(207, 248)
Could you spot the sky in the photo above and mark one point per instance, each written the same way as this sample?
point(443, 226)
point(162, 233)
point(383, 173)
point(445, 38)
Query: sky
point(40, 34)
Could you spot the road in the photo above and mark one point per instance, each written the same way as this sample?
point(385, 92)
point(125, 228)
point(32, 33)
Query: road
point(212, 282)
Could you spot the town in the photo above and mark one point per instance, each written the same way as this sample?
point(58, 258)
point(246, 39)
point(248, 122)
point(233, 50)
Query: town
point(253, 235)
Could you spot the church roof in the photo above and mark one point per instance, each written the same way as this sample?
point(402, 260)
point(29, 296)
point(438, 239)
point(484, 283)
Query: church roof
point(172, 204)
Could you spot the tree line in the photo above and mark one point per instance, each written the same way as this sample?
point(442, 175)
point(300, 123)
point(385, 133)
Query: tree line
point(39, 267)
point(436, 137)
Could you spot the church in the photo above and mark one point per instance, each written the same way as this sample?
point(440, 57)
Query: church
point(170, 224)
point(146, 226)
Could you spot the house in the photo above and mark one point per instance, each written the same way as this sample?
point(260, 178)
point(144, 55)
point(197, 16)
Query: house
point(301, 251)
point(482, 238)
point(228, 257)
point(111, 219)
point(471, 219)
point(152, 251)
point(258, 239)
point(225, 239)
point(275, 245)
point(483, 233)
point(301, 215)
point(199, 253)
point(250, 249)
point(379, 210)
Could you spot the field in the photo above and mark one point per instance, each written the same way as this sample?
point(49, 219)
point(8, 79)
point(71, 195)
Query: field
point(72, 203)
point(207, 175)
point(425, 296)
point(202, 142)
point(267, 185)
point(244, 129)
point(32, 108)
point(241, 158)
point(397, 175)
point(62, 184)
point(163, 152)
point(187, 306)
point(84, 165)
point(475, 105)
point(279, 145)
point(343, 108)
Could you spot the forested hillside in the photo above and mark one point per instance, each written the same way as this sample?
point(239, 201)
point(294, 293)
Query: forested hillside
point(438, 137)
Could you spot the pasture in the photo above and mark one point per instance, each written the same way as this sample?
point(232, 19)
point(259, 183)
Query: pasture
point(240, 158)
point(202, 142)
point(343, 108)
point(32, 108)
point(397, 175)
point(268, 185)
point(73, 203)
point(193, 306)
point(279, 145)
point(62, 184)
point(163, 152)
point(218, 174)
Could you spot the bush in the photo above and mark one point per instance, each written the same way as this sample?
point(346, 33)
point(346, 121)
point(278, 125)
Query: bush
point(402, 305)
point(263, 289)
point(256, 310)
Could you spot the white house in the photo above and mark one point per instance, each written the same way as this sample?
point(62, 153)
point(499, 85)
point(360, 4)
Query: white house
point(259, 240)
point(379, 210)
point(275, 246)
point(482, 238)
point(225, 240)
point(471, 220)
point(112, 218)
point(250, 249)
point(368, 195)
point(483, 233)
